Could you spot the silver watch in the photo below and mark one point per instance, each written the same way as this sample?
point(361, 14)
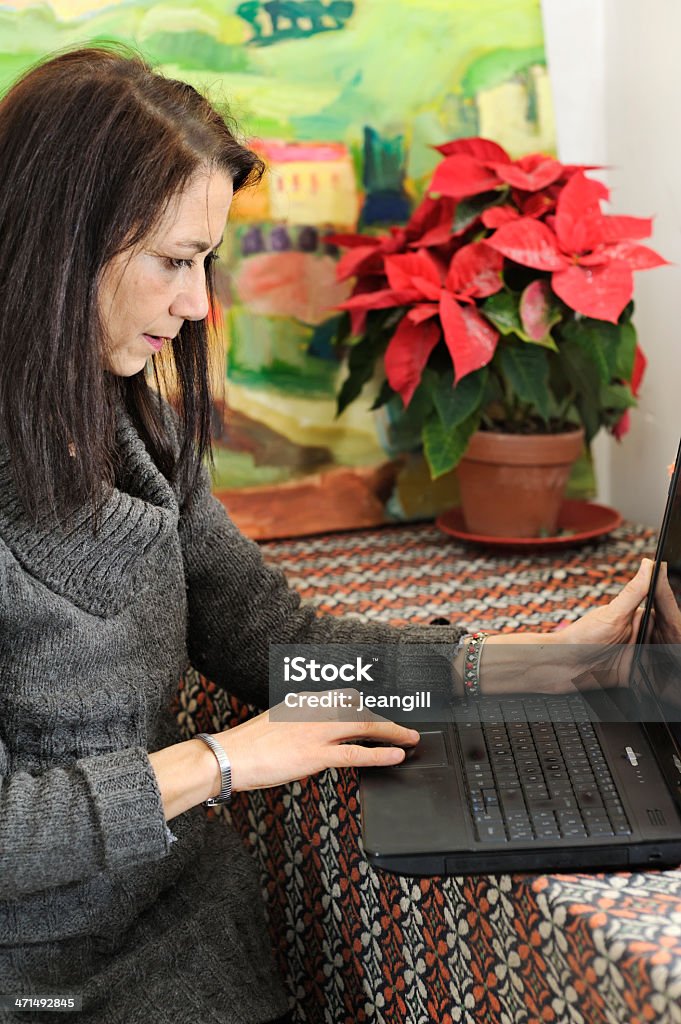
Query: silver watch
point(225, 794)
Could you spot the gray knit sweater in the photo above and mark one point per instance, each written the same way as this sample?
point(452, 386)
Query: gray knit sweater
point(95, 632)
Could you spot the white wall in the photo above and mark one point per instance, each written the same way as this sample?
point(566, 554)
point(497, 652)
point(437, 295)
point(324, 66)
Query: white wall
point(616, 77)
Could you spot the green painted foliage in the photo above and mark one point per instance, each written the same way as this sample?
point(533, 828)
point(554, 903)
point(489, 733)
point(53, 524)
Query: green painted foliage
point(189, 50)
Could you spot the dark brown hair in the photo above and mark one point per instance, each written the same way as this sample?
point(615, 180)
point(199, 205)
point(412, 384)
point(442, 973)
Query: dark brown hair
point(93, 146)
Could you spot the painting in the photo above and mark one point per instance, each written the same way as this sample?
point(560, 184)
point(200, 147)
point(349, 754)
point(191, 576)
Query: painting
point(344, 100)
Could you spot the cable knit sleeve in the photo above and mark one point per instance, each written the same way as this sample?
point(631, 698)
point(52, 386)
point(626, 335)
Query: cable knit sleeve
point(67, 824)
point(72, 820)
point(238, 606)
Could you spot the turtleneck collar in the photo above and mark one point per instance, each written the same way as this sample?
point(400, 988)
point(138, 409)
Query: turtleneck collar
point(97, 573)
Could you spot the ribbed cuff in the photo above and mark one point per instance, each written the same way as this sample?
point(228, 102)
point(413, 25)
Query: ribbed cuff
point(128, 806)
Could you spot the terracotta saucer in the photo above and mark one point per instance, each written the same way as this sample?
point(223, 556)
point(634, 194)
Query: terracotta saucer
point(578, 521)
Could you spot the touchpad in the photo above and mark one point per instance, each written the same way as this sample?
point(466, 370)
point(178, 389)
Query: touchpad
point(429, 752)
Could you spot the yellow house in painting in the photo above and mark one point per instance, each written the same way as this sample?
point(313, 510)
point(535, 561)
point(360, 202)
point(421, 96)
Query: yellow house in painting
point(306, 183)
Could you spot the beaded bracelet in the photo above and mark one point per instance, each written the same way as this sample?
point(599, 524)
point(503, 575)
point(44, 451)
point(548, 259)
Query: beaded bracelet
point(471, 663)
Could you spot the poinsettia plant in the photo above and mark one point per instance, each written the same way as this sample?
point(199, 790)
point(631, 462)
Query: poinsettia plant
point(503, 304)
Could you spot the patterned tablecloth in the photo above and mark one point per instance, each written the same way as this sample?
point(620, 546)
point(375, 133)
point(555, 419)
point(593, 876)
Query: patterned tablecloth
point(359, 945)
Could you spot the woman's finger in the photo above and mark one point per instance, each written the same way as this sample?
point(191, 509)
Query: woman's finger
point(350, 755)
point(633, 592)
point(636, 624)
point(378, 730)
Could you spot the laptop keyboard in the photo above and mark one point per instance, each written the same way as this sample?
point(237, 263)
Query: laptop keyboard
point(534, 769)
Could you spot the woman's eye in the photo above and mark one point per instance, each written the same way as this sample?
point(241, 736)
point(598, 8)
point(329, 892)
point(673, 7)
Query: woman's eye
point(174, 264)
point(179, 264)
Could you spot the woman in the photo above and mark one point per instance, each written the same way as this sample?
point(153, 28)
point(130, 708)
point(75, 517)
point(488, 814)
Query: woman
point(117, 567)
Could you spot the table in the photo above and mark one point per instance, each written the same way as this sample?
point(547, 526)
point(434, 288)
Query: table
point(358, 945)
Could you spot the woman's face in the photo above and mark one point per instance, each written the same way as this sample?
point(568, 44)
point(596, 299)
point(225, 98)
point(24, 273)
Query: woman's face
point(146, 293)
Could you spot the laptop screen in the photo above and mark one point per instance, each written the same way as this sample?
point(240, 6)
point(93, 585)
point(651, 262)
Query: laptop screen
point(657, 664)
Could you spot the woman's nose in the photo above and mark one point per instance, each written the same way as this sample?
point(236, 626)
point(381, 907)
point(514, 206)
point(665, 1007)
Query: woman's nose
point(192, 302)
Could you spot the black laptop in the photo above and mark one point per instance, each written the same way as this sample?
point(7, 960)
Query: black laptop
point(581, 781)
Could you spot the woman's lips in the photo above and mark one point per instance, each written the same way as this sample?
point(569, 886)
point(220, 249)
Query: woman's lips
point(155, 342)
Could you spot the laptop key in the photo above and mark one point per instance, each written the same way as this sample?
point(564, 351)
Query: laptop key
point(492, 833)
point(519, 825)
point(484, 780)
point(512, 799)
point(617, 817)
point(511, 780)
point(485, 818)
point(562, 788)
point(542, 817)
point(472, 733)
point(569, 820)
point(588, 798)
point(599, 828)
point(594, 813)
point(548, 833)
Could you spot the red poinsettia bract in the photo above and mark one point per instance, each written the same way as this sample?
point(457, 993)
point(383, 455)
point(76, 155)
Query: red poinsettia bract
point(429, 225)
point(472, 166)
point(440, 303)
point(591, 255)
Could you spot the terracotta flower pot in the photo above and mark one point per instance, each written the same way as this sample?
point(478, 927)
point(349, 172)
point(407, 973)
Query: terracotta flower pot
point(512, 485)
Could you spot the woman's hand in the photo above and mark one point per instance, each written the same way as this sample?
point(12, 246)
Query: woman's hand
point(607, 634)
point(276, 747)
point(616, 622)
point(597, 648)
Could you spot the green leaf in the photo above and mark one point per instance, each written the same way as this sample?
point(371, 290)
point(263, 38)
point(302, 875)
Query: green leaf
point(610, 347)
point(342, 329)
point(626, 352)
point(360, 373)
point(627, 312)
point(545, 342)
point(444, 448)
point(384, 395)
point(407, 424)
point(579, 369)
point(388, 318)
point(493, 390)
point(527, 370)
point(618, 397)
point(364, 352)
point(593, 344)
point(361, 360)
point(455, 404)
point(502, 310)
point(468, 210)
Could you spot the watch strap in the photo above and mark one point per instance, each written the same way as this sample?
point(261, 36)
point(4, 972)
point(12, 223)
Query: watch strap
point(225, 794)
